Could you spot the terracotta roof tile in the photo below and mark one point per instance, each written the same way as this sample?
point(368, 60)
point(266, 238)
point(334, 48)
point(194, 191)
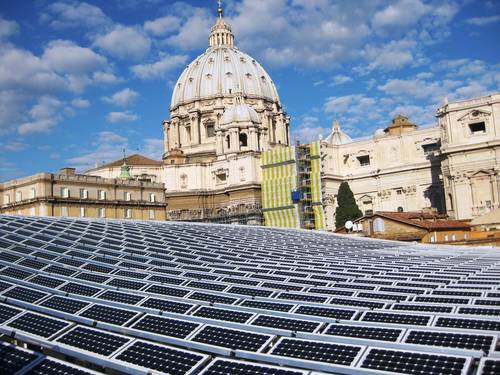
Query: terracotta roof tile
point(133, 160)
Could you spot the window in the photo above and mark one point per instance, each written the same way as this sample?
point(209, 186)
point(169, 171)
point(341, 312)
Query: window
point(210, 130)
point(32, 193)
point(64, 211)
point(378, 225)
point(228, 140)
point(6, 199)
point(64, 192)
point(84, 194)
point(453, 237)
point(128, 213)
point(430, 148)
point(188, 134)
point(19, 196)
point(477, 127)
point(399, 191)
point(221, 177)
point(466, 236)
point(151, 214)
point(369, 212)
point(127, 196)
point(488, 204)
point(364, 160)
point(433, 238)
point(82, 212)
point(446, 238)
point(101, 195)
point(102, 212)
point(243, 140)
point(400, 209)
point(152, 197)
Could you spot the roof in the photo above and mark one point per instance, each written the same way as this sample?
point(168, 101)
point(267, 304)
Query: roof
point(492, 217)
point(425, 220)
point(133, 160)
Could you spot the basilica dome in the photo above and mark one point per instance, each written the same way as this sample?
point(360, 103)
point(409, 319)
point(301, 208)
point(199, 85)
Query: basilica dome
point(221, 71)
point(337, 136)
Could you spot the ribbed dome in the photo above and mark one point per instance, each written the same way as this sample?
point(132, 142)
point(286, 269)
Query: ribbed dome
point(337, 136)
point(223, 70)
point(240, 113)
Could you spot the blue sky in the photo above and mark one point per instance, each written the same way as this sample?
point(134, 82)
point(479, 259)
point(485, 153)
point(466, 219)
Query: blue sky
point(81, 80)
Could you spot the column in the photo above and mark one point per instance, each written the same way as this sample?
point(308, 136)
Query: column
point(195, 129)
point(166, 141)
point(219, 144)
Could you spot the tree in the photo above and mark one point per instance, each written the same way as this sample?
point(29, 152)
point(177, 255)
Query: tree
point(347, 209)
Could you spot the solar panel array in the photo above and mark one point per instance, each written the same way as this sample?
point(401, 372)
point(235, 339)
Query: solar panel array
point(80, 296)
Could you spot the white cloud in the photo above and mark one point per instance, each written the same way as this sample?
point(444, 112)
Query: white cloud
point(393, 55)
point(404, 13)
point(80, 103)
point(105, 77)
point(124, 42)
point(43, 116)
point(107, 147)
point(122, 98)
point(8, 28)
point(308, 129)
point(153, 148)
point(483, 21)
point(64, 56)
point(13, 147)
point(162, 26)
point(194, 31)
point(114, 117)
point(70, 14)
point(159, 68)
point(340, 79)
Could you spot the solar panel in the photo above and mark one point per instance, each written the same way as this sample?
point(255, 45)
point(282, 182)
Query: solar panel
point(223, 314)
point(24, 294)
point(94, 341)
point(161, 358)
point(165, 326)
point(108, 314)
point(64, 304)
point(231, 338)
point(38, 325)
point(484, 343)
point(7, 312)
point(414, 363)
point(285, 323)
point(372, 333)
point(317, 351)
point(13, 359)
point(226, 366)
point(49, 366)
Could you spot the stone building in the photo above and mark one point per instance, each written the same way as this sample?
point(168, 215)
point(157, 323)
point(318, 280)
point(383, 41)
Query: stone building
point(76, 195)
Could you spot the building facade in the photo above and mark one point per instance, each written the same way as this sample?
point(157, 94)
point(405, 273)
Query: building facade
point(76, 195)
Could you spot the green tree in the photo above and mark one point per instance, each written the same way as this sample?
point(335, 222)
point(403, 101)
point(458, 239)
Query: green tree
point(347, 209)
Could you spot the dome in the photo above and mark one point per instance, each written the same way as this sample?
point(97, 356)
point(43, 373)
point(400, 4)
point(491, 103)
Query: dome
point(223, 70)
point(239, 113)
point(337, 136)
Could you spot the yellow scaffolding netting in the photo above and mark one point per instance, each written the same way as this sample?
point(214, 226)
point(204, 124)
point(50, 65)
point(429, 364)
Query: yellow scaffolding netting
point(316, 195)
point(279, 179)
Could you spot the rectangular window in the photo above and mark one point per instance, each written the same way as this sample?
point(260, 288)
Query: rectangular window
point(19, 196)
point(210, 130)
point(32, 193)
point(453, 237)
point(127, 196)
point(82, 212)
point(64, 211)
point(84, 194)
point(399, 191)
point(6, 199)
point(446, 237)
point(64, 192)
point(430, 148)
point(128, 213)
point(102, 212)
point(433, 238)
point(364, 160)
point(152, 197)
point(466, 236)
point(151, 214)
point(101, 194)
point(478, 127)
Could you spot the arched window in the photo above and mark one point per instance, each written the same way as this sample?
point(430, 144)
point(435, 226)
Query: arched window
point(378, 225)
point(400, 209)
point(243, 140)
point(228, 141)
